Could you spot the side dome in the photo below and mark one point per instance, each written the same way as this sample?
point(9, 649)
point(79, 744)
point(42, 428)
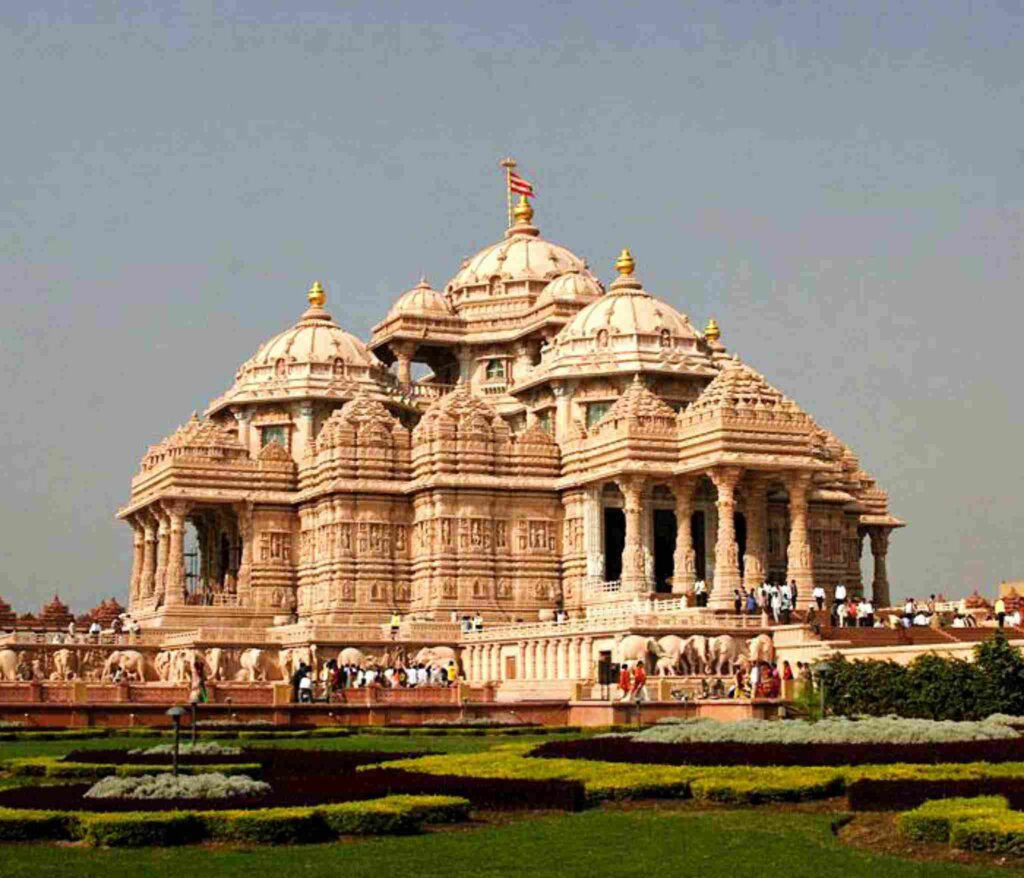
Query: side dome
point(315, 358)
point(421, 301)
point(626, 330)
point(572, 287)
point(523, 258)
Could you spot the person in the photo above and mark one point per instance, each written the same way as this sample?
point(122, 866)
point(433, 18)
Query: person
point(921, 620)
point(840, 595)
point(819, 596)
point(958, 621)
point(198, 695)
point(396, 624)
point(794, 593)
point(451, 673)
point(625, 682)
point(787, 670)
point(1000, 609)
point(700, 593)
point(755, 679)
point(776, 599)
point(478, 623)
point(118, 675)
point(71, 631)
point(306, 688)
point(300, 672)
point(851, 614)
point(640, 683)
point(751, 603)
point(95, 630)
point(868, 609)
point(861, 614)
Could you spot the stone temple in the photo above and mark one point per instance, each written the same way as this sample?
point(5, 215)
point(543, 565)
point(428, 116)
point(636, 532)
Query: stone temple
point(570, 447)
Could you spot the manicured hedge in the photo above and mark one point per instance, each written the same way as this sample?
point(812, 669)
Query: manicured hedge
point(394, 815)
point(730, 753)
point(932, 820)
point(880, 794)
point(48, 766)
point(610, 780)
point(981, 824)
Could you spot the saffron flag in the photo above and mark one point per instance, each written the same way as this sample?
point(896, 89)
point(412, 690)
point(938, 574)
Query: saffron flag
point(519, 185)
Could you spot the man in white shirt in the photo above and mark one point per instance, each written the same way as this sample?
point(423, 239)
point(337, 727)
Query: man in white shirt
point(840, 594)
point(868, 610)
point(819, 596)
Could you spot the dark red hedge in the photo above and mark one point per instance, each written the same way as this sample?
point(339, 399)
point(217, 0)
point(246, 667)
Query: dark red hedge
point(902, 795)
point(722, 753)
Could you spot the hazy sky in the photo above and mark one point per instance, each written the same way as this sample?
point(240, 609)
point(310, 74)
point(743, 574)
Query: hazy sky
point(839, 184)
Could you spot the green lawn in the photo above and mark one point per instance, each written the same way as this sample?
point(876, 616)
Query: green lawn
point(641, 843)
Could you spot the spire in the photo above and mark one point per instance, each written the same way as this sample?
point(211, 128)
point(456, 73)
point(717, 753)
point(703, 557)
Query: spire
point(625, 265)
point(711, 331)
point(317, 297)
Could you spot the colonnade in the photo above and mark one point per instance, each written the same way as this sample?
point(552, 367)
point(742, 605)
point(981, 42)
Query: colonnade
point(637, 562)
point(546, 658)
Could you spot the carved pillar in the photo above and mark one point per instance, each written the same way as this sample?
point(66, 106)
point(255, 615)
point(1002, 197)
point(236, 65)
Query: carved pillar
point(879, 549)
point(163, 534)
point(404, 351)
point(496, 662)
point(684, 560)
point(562, 658)
point(798, 554)
point(633, 575)
point(562, 394)
point(755, 557)
point(149, 556)
point(521, 659)
point(529, 661)
point(593, 533)
point(245, 535)
point(857, 576)
point(727, 555)
point(243, 417)
point(573, 668)
point(552, 659)
point(523, 364)
point(138, 550)
point(587, 659)
point(174, 584)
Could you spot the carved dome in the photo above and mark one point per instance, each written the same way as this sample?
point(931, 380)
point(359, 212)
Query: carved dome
point(421, 301)
point(523, 255)
point(626, 330)
point(314, 358)
point(571, 287)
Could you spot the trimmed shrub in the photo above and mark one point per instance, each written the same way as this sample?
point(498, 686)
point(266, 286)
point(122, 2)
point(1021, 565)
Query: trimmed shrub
point(141, 828)
point(932, 821)
point(783, 786)
point(48, 766)
point(374, 817)
point(202, 748)
point(435, 809)
point(876, 794)
point(267, 826)
point(17, 825)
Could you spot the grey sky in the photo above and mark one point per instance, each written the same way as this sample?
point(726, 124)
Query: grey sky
point(839, 184)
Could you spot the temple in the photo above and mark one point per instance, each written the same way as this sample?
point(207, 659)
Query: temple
point(567, 447)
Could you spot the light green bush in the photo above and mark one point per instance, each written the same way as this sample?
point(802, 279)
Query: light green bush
point(166, 786)
point(267, 826)
point(984, 824)
point(837, 730)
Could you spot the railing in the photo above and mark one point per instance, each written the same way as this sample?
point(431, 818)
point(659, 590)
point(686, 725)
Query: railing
point(428, 391)
point(496, 388)
point(62, 638)
point(602, 587)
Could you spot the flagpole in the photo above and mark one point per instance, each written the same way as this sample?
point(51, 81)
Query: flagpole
point(508, 164)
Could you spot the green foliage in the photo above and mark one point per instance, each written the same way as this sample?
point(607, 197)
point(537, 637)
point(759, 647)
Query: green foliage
point(266, 826)
point(932, 820)
point(392, 815)
point(932, 686)
point(17, 825)
point(141, 829)
point(52, 767)
point(984, 824)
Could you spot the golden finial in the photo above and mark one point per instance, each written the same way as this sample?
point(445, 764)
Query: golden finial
point(625, 263)
point(523, 212)
point(711, 331)
point(317, 296)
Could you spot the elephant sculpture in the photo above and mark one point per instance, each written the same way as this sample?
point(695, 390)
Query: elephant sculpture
point(694, 656)
point(672, 647)
point(635, 648)
point(256, 666)
point(351, 656)
point(216, 662)
point(9, 661)
point(724, 652)
point(64, 664)
point(162, 662)
point(761, 648)
point(436, 656)
point(289, 660)
point(131, 662)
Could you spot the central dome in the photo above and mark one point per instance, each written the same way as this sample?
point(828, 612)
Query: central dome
point(523, 256)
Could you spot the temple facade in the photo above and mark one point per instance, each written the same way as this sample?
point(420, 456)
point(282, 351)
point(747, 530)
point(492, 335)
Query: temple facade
point(564, 446)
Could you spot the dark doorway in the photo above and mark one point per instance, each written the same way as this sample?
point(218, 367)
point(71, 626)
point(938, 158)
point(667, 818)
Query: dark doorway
point(614, 542)
point(740, 523)
point(697, 529)
point(664, 549)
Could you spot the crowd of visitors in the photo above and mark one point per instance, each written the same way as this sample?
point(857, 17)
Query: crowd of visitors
point(774, 600)
point(334, 678)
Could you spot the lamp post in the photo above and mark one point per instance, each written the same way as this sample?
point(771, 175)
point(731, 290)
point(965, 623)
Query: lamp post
point(176, 713)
